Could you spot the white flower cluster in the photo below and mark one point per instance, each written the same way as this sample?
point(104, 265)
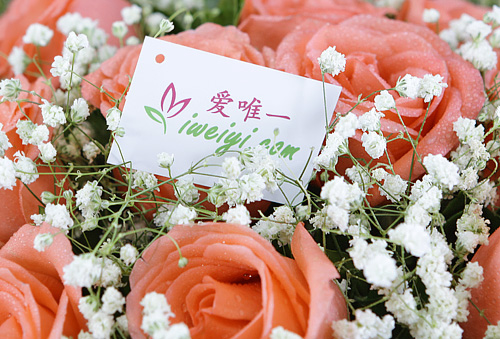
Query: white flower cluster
point(171, 215)
point(155, 318)
point(278, 226)
point(100, 320)
point(145, 180)
point(366, 326)
point(87, 270)
point(88, 200)
point(376, 262)
point(280, 333)
point(427, 88)
point(342, 198)
point(238, 215)
point(331, 61)
point(245, 186)
point(186, 191)
point(10, 89)
point(472, 229)
point(84, 49)
point(468, 37)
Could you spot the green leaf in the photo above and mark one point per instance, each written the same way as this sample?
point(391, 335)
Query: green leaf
point(157, 116)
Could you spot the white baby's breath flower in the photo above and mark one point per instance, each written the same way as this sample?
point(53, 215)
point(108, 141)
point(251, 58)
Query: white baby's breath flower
point(4, 141)
point(408, 86)
point(47, 152)
point(90, 151)
point(347, 125)
point(493, 16)
point(75, 43)
point(186, 191)
point(132, 41)
point(53, 115)
point(393, 188)
point(237, 215)
point(132, 14)
point(467, 130)
point(280, 333)
point(478, 30)
point(141, 179)
point(492, 331)
point(370, 121)
point(279, 226)
point(112, 301)
point(472, 275)
point(18, 60)
point(374, 144)
point(37, 219)
point(42, 241)
point(38, 35)
point(101, 325)
point(58, 216)
point(331, 61)
point(431, 86)
point(153, 21)
point(68, 22)
point(414, 238)
point(366, 326)
point(430, 15)
point(113, 117)
point(128, 254)
point(442, 171)
point(119, 29)
point(10, 89)
point(231, 167)
point(84, 271)
point(165, 160)
point(25, 168)
point(166, 26)
point(79, 110)
point(480, 54)
point(61, 66)
point(384, 101)
point(88, 199)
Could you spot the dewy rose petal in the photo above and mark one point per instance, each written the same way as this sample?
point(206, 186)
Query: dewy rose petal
point(34, 302)
point(486, 296)
point(379, 51)
point(236, 285)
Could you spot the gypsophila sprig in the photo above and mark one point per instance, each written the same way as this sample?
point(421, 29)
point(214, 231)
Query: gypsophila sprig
point(331, 61)
point(10, 89)
point(38, 35)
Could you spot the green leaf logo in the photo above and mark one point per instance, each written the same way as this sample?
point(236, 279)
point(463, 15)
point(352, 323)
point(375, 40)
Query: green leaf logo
point(157, 116)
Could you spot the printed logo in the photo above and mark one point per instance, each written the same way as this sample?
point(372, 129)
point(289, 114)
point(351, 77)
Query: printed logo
point(174, 108)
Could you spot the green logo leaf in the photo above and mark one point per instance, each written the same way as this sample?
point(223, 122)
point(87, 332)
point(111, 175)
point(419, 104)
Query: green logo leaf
point(157, 116)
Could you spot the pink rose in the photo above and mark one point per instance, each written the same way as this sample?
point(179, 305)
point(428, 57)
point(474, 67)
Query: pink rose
point(22, 13)
point(412, 11)
point(34, 302)
point(19, 203)
point(379, 51)
point(268, 22)
point(236, 285)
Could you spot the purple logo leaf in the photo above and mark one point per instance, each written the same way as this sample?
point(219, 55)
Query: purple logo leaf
point(175, 107)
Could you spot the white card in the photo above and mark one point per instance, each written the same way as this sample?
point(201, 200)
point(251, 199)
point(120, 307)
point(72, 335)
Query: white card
point(191, 103)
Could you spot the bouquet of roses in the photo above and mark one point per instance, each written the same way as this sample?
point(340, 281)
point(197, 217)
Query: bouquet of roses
point(392, 237)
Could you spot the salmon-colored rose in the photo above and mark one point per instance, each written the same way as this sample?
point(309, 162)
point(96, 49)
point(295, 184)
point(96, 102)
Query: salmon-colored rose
point(22, 13)
point(236, 285)
point(412, 11)
point(379, 51)
point(267, 22)
point(19, 203)
point(34, 302)
point(114, 74)
point(487, 295)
